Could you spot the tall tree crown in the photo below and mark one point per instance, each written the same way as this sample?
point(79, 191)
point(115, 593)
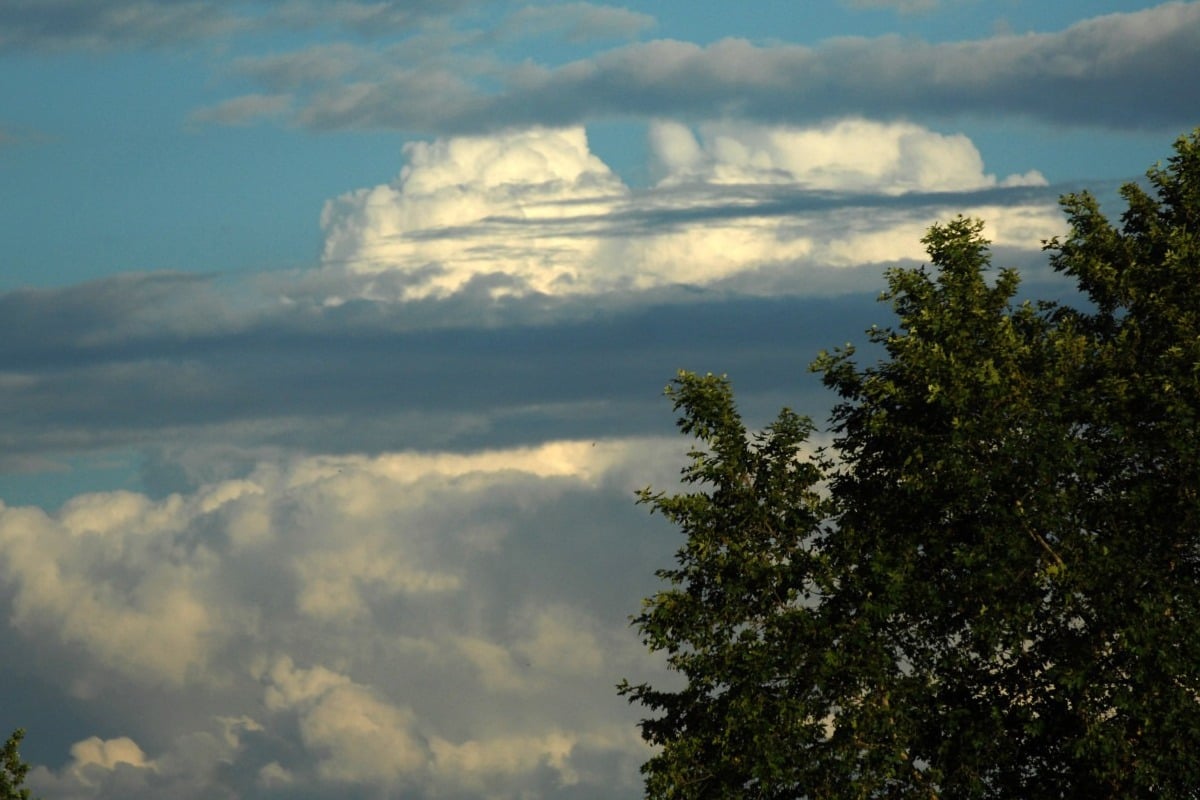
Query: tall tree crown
point(988, 586)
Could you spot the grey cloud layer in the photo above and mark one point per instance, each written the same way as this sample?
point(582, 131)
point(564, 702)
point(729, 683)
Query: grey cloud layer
point(1122, 71)
point(105, 24)
point(134, 24)
point(360, 376)
point(329, 360)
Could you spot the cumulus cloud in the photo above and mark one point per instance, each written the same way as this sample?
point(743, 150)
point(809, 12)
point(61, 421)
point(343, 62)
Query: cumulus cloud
point(357, 736)
point(853, 155)
point(498, 675)
point(456, 209)
point(107, 754)
point(534, 211)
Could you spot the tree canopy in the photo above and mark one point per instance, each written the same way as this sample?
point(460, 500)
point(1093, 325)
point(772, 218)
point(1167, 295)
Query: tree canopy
point(988, 584)
point(13, 769)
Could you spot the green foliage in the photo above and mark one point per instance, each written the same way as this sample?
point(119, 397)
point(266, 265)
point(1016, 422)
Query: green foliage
point(13, 769)
point(988, 586)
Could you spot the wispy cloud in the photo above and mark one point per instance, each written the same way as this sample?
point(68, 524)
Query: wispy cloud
point(243, 110)
point(111, 24)
point(903, 6)
point(137, 24)
point(1121, 71)
point(576, 22)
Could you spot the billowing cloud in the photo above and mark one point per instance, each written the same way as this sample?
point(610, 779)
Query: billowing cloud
point(853, 155)
point(534, 211)
point(458, 206)
point(360, 738)
point(494, 670)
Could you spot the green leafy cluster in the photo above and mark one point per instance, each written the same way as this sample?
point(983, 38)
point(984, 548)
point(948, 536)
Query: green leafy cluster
point(988, 586)
point(12, 769)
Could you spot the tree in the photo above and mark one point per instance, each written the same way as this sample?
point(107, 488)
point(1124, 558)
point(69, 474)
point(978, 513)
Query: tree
point(988, 585)
point(13, 769)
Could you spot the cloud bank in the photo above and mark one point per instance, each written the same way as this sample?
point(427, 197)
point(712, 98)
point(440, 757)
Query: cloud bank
point(430, 624)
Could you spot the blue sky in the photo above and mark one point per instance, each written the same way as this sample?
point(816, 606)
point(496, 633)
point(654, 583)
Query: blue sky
point(333, 336)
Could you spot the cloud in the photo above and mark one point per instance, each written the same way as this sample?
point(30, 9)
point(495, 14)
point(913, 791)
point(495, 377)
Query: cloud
point(117, 767)
point(134, 24)
point(852, 155)
point(95, 751)
point(576, 22)
point(105, 24)
point(369, 18)
point(903, 6)
point(370, 375)
point(534, 211)
point(359, 738)
point(1121, 71)
point(487, 294)
point(447, 217)
point(243, 110)
point(498, 680)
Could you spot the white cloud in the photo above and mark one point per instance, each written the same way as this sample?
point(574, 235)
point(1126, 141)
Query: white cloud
point(852, 155)
point(357, 736)
point(107, 754)
point(450, 215)
point(535, 211)
point(101, 574)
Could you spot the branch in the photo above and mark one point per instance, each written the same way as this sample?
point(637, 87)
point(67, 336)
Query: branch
point(1037, 537)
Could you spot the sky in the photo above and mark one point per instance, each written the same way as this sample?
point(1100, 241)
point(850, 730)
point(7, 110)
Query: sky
point(333, 338)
